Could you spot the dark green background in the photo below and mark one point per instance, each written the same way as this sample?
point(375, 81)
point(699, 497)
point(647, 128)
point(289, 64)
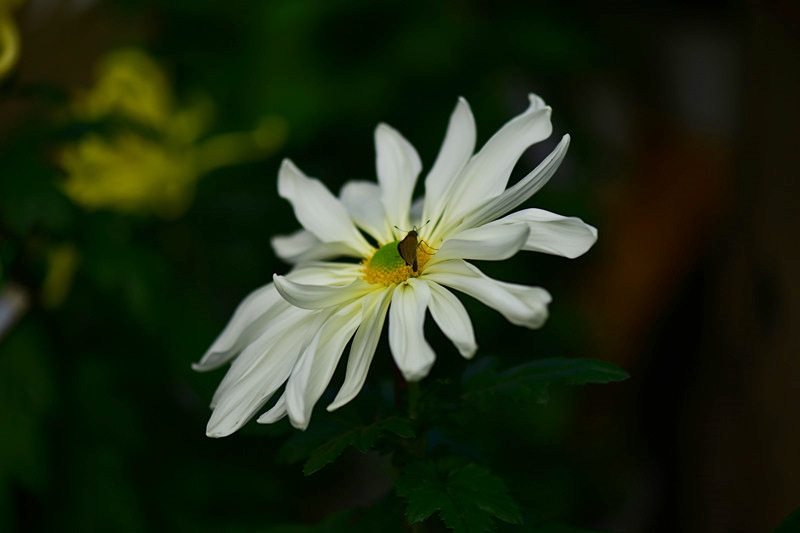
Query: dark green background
point(679, 119)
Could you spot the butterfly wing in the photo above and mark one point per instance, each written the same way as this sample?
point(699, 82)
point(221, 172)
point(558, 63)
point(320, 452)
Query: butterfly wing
point(407, 248)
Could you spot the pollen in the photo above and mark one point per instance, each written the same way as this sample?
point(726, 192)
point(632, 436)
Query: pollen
point(387, 267)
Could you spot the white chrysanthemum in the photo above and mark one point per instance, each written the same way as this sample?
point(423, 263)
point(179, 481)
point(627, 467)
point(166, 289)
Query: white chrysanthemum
point(294, 331)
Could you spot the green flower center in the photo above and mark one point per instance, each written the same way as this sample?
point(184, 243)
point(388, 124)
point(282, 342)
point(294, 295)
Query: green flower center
point(387, 267)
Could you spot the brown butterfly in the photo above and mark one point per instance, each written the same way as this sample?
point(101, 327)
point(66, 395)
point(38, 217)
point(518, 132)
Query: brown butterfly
point(407, 248)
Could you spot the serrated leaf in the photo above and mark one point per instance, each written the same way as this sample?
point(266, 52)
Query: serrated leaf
point(300, 444)
point(363, 438)
point(535, 378)
point(791, 524)
point(468, 497)
point(399, 426)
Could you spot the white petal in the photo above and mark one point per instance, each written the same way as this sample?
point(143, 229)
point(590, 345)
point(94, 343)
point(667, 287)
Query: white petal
point(416, 213)
point(317, 364)
point(398, 166)
point(452, 318)
point(520, 304)
point(362, 199)
point(320, 296)
point(302, 245)
point(520, 191)
point(551, 233)
point(257, 373)
point(487, 243)
point(277, 412)
point(258, 311)
point(231, 341)
point(319, 211)
point(373, 315)
point(459, 143)
point(487, 173)
point(283, 318)
point(325, 273)
point(412, 353)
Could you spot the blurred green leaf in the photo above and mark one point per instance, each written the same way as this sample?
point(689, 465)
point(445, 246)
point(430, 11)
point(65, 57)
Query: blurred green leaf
point(791, 524)
point(362, 438)
point(535, 378)
point(467, 496)
point(29, 194)
point(27, 395)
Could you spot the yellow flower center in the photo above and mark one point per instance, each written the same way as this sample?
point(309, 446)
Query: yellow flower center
point(387, 267)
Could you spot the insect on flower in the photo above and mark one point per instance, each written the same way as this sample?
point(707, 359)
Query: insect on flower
point(407, 248)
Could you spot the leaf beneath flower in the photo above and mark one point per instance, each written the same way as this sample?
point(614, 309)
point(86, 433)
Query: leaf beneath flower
point(363, 438)
point(536, 377)
point(468, 497)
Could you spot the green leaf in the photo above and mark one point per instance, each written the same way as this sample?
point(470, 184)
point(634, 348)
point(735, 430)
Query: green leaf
point(363, 438)
point(536, 377)
point(28, 393)
point(467, 496)
point(791, 524)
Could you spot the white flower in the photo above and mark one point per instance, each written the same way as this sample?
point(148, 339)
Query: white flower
point(294, 331)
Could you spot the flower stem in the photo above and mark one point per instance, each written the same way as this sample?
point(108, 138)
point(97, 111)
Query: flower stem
point(413, 400)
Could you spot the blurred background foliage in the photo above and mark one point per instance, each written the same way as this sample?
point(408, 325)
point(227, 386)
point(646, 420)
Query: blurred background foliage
point(139, 148)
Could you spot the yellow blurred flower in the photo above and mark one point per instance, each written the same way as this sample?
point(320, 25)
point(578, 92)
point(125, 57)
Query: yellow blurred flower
point(62, 263)
point(128, 173)
point(153, 160)
point(9, 37)
point(128, 84)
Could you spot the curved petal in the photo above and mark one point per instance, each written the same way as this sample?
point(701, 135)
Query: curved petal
point(257, 373)
point(362, 199)
point(320, 296)
point(487, 243)
point(302, 245)
point(398, 166)
point(411, 352)
point(260, 308)
point(373, 315)
point(551, 233)
point(520, 191)
point(415, 213)
point(231, 341)
point(285, 318)
point(520, 304)
point(316, 366)
point(459, 143)
point(319, 211)
point(275, 413)
point(486, 175)
point(325, 273)
point(452, 318)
